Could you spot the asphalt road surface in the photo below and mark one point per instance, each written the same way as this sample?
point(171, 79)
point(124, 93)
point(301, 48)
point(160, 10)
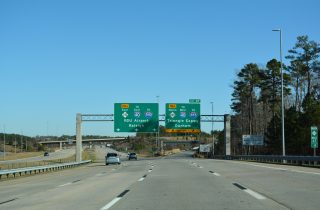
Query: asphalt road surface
point(176, 182)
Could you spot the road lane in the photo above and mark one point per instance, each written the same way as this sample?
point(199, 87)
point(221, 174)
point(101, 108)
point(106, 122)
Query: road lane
point(292, 186)
point(175, 182)
point(85, 187)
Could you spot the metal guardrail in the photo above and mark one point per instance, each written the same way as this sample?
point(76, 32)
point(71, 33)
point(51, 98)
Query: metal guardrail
point(40, 169)
point(291, 160)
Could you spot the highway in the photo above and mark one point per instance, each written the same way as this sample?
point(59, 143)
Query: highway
point(52, 156)
point(174, 182)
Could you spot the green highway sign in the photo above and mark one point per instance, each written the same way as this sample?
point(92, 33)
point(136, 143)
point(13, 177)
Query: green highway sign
point(136, 117)
point(194, 101)
point(314, 137)
point(182, 118)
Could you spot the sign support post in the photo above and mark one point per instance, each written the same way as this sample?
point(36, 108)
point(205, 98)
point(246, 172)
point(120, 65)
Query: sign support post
point(78, 138)
point(227, 134)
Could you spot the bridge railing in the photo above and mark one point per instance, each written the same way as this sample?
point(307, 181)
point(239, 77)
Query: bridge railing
point(39, 169)
point(291, 160)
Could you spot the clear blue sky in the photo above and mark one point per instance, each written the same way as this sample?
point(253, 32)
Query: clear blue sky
point(60, 57)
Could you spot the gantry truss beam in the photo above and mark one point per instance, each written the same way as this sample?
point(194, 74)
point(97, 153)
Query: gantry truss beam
point(110, 117)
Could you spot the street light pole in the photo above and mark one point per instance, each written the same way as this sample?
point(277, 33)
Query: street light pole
point(212, 130)
point(158, 133)
point(282, 104)
point(4, 142)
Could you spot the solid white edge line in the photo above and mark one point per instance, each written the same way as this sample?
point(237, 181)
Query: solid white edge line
point(141, 179)
point(254, 194)
point(110, 204)
point(281, 169)
point(286, 169)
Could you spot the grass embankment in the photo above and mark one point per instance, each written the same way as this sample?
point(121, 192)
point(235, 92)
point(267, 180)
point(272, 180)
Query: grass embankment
point(171, 152)
point(87, 154)
point(4, 166)
point(21, 155)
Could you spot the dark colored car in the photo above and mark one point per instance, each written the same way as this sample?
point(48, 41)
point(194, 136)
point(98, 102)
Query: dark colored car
point(46, 154)
point(132, 156)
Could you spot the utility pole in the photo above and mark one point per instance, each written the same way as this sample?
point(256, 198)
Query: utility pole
point(15, 144)
point(21, 148)
point(26, 145)
point(282, 104)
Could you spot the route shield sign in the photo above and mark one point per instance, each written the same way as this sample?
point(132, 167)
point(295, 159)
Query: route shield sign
point(314, 137)
point(182, 118)
point(136, 117)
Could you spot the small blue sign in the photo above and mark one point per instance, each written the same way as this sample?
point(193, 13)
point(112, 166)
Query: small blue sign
point(183, 114)
point(137, 114)
point(148, 115)
point(193, 115)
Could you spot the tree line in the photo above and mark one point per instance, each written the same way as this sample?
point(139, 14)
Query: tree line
point(256, 101)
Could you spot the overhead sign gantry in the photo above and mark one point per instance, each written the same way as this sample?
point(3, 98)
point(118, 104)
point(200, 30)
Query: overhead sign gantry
point(144, 117)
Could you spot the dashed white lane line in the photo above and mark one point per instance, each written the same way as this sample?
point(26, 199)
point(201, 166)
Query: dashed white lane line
point(66, 184)
point(111, 203)
point(215, 173)
point(254, 194)
point(114, 201)
point(250, 192)
point(141, 179)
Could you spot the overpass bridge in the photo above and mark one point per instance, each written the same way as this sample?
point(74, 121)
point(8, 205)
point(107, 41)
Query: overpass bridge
point(73, 141)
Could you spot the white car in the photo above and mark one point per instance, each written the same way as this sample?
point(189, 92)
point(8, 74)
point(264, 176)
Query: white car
point(112, 158)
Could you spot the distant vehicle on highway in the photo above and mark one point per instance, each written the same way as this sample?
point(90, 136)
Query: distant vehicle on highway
point(132, 155)
point(112, 158)
point(46, 154)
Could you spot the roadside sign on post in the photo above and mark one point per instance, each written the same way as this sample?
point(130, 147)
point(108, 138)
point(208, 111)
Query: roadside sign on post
point(252, 140)
point(136, 117)
point(182, 118)
point(314, 137)
point(205, 148)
